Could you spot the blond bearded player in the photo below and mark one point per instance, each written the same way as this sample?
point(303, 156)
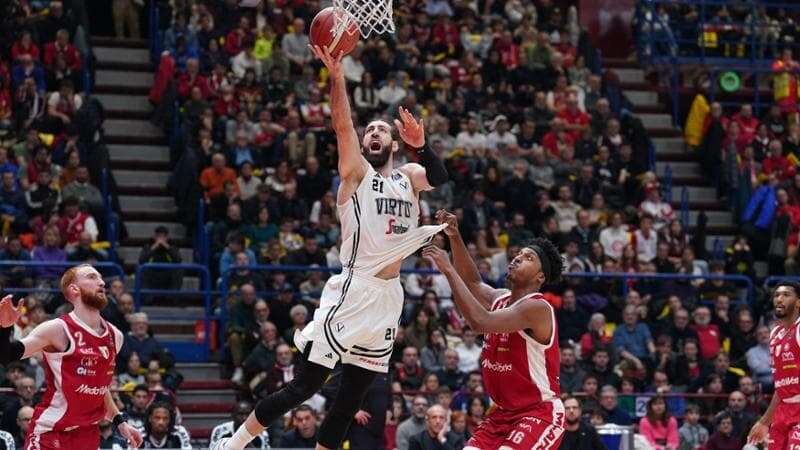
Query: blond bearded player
point(79, 353)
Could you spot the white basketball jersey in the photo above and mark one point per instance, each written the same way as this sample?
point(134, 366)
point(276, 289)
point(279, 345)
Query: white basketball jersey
point(380, 223)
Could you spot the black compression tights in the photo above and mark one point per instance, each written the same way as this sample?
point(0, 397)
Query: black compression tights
point(309, 378)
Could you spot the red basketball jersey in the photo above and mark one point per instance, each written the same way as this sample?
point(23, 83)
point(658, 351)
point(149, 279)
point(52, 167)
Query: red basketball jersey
point(784, 347)
point(78, 379)
point(519, 373)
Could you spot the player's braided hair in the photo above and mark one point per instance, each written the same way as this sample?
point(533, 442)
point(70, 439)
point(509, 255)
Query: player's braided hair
point(552, 262)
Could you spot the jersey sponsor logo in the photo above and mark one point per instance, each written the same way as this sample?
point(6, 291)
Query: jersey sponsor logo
point(403, 184)
point(548, 439)
point(339, 327)
point(496, 366)
point(83, 371)
point(396, 228)
point(86, 351)
point(788, 381)
point(795, 434)
point(373, 363)
point(329, 355)
point(89, 390)
point(787, 356)
point(393, 207)
point(104, 351)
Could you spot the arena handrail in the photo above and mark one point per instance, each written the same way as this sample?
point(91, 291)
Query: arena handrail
point(684, 207)
point(205, 291)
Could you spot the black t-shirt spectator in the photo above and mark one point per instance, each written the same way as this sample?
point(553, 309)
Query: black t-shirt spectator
point(294, 439)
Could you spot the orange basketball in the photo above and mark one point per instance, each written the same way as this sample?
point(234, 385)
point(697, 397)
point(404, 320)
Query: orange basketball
point(322, 33)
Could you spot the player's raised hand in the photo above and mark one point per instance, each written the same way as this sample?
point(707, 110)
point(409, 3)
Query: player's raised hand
point(444, 216)
point(131, 434)
point(9, 314)
point(758, 433)
point(438, 257)
point(411, 130)
point(332, 62)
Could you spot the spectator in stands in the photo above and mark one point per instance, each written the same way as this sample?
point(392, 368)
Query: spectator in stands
point(633, 340)
point(295, 46)
point(25, 391)
point(15, 276)
point(85, 252)
point(234, 243)
point(139, 340)
point(692, 433)
point(658, 427)
point(281, 372)
point(26, 69)
point(61, 107)
point(160, 250)
point(571, 374)
point(468, 351)
point(213, 178)
point(578, 435)
point(13, 211)
point(597, 336)
point(414, 425)
point(609, 405)
point(680, 331)
point(49, 252)
point(119, 306)
point(724, 438)
point(41, 196)
point(299, 317)
point(742, 419)
point(263, 356)
point(160, 430)
point(304, 433)
point(133, 372)
point(432, 355)
point(759, 360)
point(615, 236)
point(126, 15)
point(242, 321)
point(436, 434)
point(708, 333)
point(88, 194)
point(601, 367)
point(25, 46)
point(62, 46)
point(409, 372)
point(74, 222)
point(226, 429)
point(24, 416)
point(242, 276)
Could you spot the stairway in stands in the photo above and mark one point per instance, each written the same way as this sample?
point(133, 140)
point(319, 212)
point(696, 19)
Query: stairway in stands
point(671, 152)
point(140, 164)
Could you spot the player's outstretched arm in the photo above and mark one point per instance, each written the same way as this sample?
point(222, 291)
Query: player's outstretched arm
point(759, 433)
point(352, 165)
point(430, 172)
point(521, 316)
point(49, 334)
point(464, 264)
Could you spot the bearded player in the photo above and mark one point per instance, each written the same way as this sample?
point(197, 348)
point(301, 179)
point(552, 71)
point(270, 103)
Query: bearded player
point(781, 421)
point(79, 353)
point(520, 358)
point(356, 323)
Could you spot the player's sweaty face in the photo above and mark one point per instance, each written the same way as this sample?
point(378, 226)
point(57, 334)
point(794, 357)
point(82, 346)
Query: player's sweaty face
point(785, 301)
point(524, 266)
point(93, 288)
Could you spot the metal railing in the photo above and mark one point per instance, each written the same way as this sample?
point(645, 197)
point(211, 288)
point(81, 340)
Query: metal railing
point(205, 291)
point(112, 220)
point(668, 183)
point(684, 207)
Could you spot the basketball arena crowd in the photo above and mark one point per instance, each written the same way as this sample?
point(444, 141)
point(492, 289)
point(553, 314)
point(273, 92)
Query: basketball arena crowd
point(538, 140)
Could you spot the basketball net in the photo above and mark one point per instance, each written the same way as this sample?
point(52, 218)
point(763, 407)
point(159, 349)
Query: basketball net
point(371, 16)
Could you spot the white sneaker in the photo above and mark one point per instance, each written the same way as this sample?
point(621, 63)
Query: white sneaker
point(238, 375)
point(220, 445)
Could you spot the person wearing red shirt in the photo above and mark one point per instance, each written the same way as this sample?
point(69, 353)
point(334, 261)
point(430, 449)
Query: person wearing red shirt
point(62, 45)
point(227, 105)
point(748, 125)
point(707, 332)
point(575, 121)
point(25, 46)
point(557, 138)
point(191, 78)
point(234, 39)
point(776, 163)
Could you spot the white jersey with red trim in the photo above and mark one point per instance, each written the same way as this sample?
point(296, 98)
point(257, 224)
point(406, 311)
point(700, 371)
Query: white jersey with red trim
point(78, 379)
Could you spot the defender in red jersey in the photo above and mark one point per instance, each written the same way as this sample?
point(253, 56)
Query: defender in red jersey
point(781, 421)
point(79, 353)
point(520, 359)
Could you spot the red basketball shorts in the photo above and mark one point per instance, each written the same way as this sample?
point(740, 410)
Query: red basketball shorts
point(784, 433)
point(539, 429)
point(79, 438)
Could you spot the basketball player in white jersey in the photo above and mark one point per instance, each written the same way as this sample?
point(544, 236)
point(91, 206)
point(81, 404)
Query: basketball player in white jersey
point(360, 308)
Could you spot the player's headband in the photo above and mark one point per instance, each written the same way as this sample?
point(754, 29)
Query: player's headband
point(546, 269)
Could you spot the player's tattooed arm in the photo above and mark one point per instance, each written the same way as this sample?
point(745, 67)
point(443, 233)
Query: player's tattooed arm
point(464, 264)
point(352, 165)
point(535, 315)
